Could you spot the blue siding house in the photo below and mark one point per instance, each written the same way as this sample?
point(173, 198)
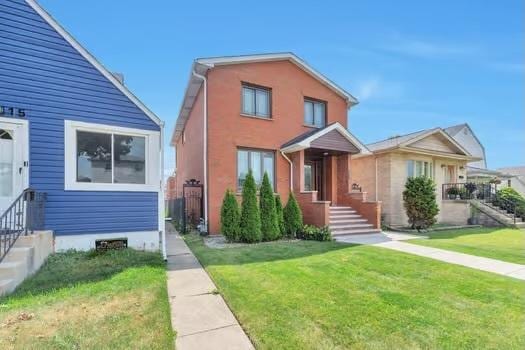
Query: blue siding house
point(71, 129)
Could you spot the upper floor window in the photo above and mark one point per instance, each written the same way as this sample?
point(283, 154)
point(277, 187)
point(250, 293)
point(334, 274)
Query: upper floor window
point(314, 113)
point(256, 101)
point(417, 168)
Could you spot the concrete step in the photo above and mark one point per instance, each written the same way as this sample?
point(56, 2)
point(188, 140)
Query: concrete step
point(355, 232)
point(7, 286)
point(23, 254)
point(350, 227)
point(16, 270)
point(334, 209)
point(337, 222)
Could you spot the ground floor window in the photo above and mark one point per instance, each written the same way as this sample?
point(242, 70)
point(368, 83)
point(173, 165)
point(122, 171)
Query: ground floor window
point(103, 157)
point(258, 161)
point(416, 168)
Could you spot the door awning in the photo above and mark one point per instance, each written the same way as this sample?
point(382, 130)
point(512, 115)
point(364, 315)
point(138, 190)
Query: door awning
point(333, 137)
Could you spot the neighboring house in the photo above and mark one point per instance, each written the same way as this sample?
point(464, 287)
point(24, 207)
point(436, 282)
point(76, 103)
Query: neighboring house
point(72, 130)
point(515, 178)
point(271, 113)
point(432, 153)
point(463, 134)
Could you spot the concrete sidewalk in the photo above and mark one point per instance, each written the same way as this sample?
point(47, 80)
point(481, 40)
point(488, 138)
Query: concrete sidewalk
point(202, 319)
point(476, 262)
point(398, 241)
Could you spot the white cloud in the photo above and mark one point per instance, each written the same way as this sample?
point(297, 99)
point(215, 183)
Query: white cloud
point(377, 88)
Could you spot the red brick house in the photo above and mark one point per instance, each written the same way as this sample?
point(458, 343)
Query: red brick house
point(273, 113)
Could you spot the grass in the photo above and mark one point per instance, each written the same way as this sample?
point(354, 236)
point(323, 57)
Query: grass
point(502, 244)
point(326, 295)
point(79, 300)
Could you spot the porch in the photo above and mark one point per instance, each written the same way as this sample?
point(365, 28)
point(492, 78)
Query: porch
point(321, 181)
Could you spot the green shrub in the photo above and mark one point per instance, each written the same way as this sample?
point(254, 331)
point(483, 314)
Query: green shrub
point(250, 226)
point(280, 217)
point(269, 224)
point(230, 217)
point(420, 204)
point(313, 233)
point(293, 217)
point(509, 199)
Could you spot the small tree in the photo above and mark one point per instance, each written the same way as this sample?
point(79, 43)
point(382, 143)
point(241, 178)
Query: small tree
point(420, 202)
point(230, 217)
point(250, 225)
point(293, 218)
point(280, 217)
point(269, 223)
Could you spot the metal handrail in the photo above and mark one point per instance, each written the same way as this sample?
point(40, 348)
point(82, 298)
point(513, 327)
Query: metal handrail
point(23, 216)
point(484, 193)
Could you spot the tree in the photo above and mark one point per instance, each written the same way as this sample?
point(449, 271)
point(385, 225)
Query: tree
point(230, 217)
point(280, 217)
point(250, 226)
point(420, 204)
point(293, 217)
point(269, 223)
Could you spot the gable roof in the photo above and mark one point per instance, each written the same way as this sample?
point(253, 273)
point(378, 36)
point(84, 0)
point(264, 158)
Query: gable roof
point(202, 65)
point(404, 141)
point(453, 130)
point(305, 140)
point(92, 60)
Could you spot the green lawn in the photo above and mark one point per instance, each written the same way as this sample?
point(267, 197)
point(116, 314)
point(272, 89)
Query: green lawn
point(313, 295)
point(115, 300)
point(503, 244)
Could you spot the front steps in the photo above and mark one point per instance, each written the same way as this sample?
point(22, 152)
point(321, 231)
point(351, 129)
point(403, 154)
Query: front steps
point(497, 214)
point(24, 259)
point(346, 221)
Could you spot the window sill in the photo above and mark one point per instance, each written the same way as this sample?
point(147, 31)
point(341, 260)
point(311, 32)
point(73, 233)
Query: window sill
point(90, 186)
point(256, 117)
point(313, 126)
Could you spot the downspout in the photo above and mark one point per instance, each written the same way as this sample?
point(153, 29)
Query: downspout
point(291, 169)
point(377, 187)
point(162, 223)
point(205, 147)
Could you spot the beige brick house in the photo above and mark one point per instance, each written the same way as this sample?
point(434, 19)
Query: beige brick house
point(383, 172)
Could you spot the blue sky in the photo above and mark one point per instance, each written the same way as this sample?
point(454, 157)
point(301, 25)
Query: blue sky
point(412, 64)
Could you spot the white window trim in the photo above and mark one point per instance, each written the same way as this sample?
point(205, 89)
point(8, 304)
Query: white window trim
point(70, 159)
point(430, 170)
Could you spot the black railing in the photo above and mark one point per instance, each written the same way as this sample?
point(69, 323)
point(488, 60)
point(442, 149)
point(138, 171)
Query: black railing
point(23, 217)
point(486, 194)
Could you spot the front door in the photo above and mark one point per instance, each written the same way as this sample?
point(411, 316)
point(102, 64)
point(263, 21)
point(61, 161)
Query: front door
point(13, 161)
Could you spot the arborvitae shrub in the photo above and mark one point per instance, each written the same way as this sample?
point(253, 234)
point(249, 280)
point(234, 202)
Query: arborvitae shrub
point(250, 226)
point(280, 217)
point(269, 223)
point(230, 217)
point(293, 217)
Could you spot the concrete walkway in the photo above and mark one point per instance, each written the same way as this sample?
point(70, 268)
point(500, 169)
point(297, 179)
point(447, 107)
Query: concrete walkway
point(397, 241)
point(201, 318)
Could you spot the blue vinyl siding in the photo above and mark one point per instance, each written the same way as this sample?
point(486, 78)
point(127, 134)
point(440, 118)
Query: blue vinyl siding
point(43, 74)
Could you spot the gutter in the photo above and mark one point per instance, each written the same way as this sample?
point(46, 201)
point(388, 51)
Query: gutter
point(205, 146)
point(291, 169)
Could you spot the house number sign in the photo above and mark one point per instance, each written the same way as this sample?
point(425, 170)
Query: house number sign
point(6, 111)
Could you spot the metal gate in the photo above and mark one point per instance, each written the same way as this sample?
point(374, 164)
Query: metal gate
point(187, 211)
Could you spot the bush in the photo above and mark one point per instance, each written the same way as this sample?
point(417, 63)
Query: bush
point(293, 218)
point(420, 204)
point(509, 199)
point(313, 233)
point(250, 224)
point(269, 224)
point(230, 217)
point(280, 217)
